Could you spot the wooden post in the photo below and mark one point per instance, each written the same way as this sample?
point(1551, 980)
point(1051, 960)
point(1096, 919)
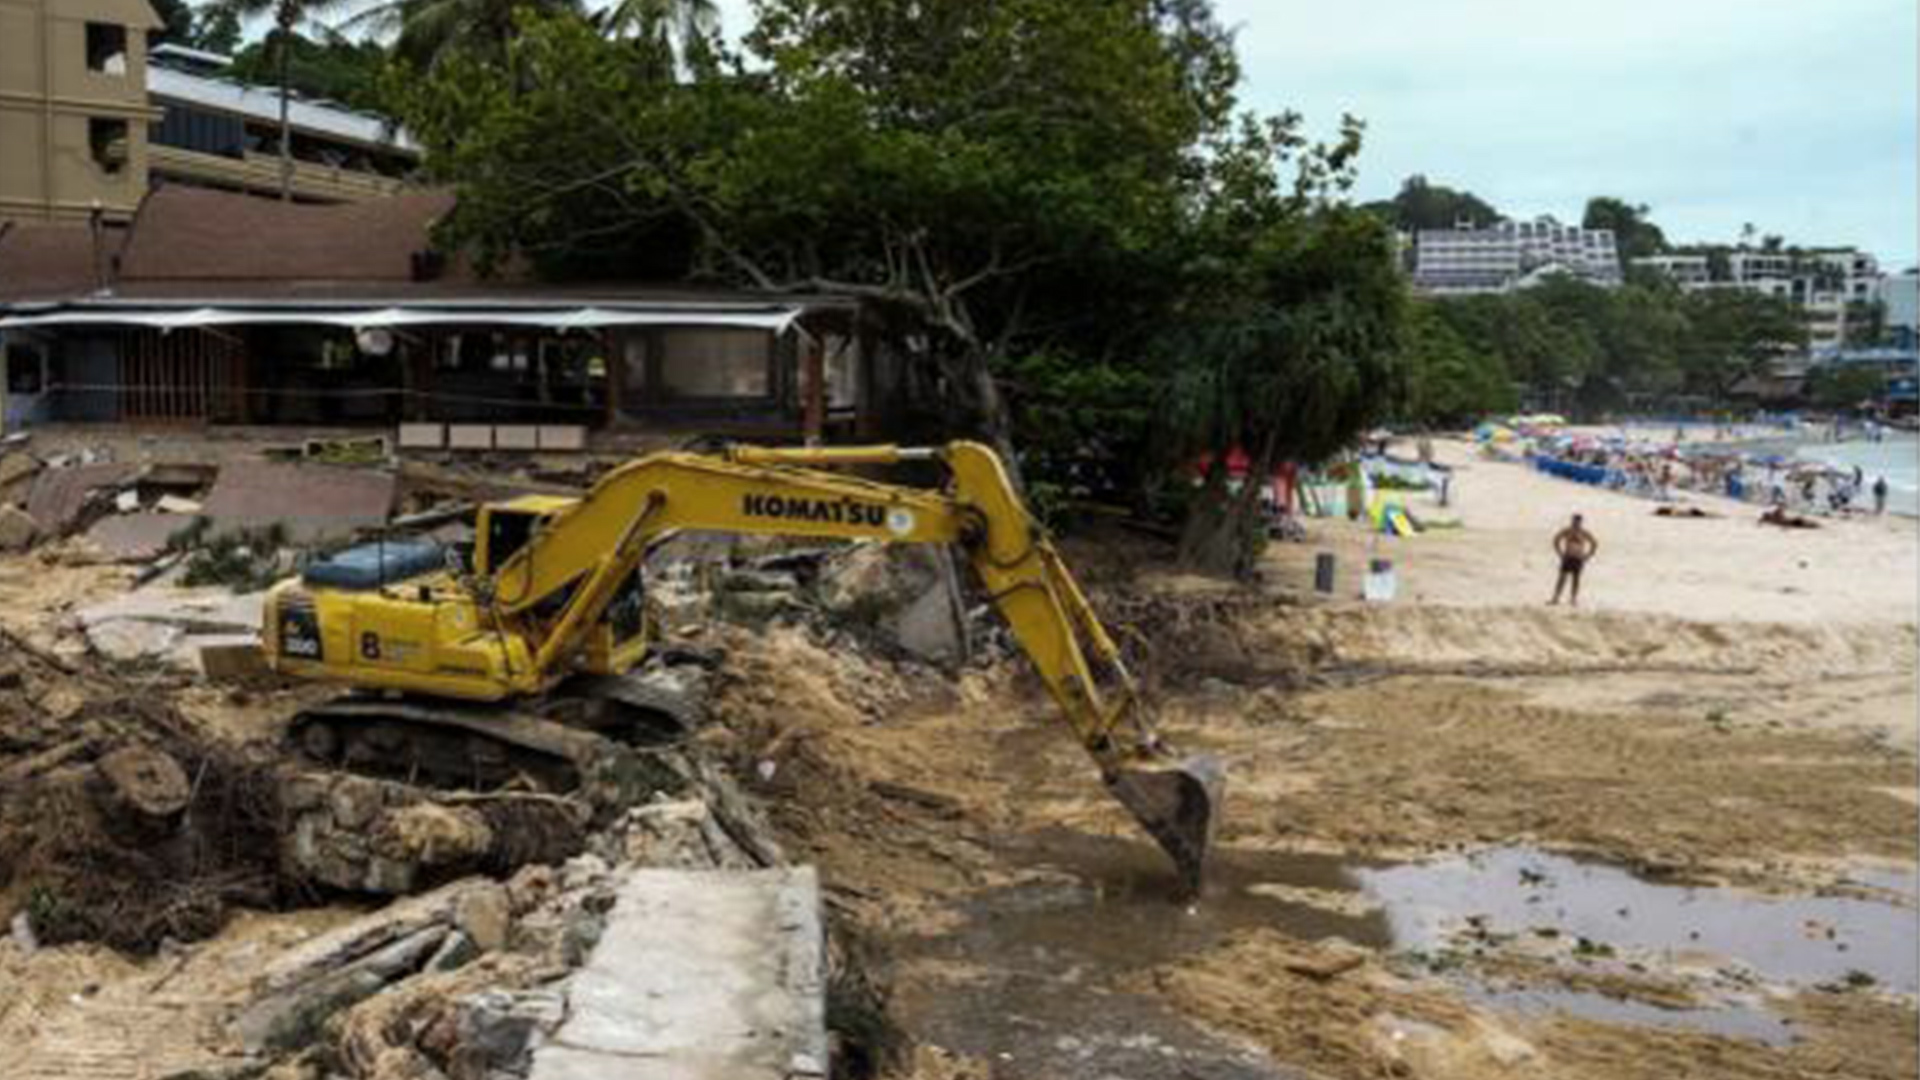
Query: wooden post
point(813, 388)
point(613, 353)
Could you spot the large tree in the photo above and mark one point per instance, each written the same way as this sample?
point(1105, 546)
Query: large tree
point(1632, 231)
point(684, 29)
point(964, 166)
point(1048, 204)
point(1424, 205)
point(1734, 333)
point(1288, 340)
point(422, 32)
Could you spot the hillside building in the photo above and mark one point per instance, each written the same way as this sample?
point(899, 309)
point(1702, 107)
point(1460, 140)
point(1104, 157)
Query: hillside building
point(1511, 255)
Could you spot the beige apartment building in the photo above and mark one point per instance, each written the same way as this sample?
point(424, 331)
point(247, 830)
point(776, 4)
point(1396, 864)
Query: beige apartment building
point(73, 108)
point(90, 119)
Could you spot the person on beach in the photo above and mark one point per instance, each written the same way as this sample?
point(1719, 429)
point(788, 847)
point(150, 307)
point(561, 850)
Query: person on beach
point(1575, 546)
point(1879, 494)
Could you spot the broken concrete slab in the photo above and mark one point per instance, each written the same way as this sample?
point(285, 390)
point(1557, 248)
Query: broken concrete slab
point(234, 658)
point(700, 975)
point(16, 469)
point(17, 529)
point(293, 1017)
point(169, 625)
point(313, 502)
point(136, 537)
point(207, 609)
point(59, 496)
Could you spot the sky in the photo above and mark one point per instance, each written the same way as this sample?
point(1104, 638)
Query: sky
point(1798, 116)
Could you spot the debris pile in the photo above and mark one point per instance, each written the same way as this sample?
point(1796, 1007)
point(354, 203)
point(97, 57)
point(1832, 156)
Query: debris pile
point(117, 823)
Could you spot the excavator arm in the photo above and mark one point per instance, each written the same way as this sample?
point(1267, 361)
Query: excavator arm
point(555, 588)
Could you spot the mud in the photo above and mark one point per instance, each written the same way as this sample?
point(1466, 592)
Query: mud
point(1028, 918)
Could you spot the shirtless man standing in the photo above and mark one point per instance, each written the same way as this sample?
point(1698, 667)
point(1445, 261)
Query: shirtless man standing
point(1575, 545)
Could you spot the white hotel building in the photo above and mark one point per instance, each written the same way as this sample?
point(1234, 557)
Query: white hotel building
point(1511, 255)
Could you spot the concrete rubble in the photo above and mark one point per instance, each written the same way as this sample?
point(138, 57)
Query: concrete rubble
point(170, 626)
point(699, 974)
point(311, 502)
point(904, 599)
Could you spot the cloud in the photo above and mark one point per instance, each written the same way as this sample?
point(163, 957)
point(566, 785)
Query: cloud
point(1797, 117)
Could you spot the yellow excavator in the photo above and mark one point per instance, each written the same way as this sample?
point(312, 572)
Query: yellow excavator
point(514, 665)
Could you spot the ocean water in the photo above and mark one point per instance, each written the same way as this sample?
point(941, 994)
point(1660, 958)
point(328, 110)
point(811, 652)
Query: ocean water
point(1896, 459)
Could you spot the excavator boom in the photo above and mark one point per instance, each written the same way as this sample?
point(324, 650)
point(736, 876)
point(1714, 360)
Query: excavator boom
point(542, 609)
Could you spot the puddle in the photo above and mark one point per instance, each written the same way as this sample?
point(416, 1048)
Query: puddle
point(1048, 952)
point(1042, 957)
point(1799, 939)
point(1751, 1021)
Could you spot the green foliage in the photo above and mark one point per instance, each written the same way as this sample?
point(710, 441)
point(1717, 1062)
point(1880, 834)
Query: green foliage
point(1449, 382)
point(177, 19)
point(1050, 206)
point(335, 68)
point(425, 31)
point(1584, 346)
point(1866, 323)
point(244, 561)
point(1421, 205)
point(1834, 386)
point(998, 180)
point(1732, 333)
point(1635, 235)
point(214, 29)
point(1082, 425)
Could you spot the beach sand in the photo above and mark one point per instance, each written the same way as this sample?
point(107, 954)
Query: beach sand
point(1855, 570)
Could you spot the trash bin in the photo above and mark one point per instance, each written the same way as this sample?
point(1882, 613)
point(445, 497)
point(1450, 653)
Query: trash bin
point(1323, 573)
point(1380, 584)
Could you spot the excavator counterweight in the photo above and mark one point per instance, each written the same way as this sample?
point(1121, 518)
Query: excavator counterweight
point(554, 597)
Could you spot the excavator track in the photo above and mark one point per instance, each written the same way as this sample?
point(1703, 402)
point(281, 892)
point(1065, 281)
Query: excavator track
point(586, 739)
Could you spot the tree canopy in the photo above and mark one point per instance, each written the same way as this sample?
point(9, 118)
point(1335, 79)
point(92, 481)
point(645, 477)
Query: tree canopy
point(1423, 205)
point(1045, 200)
point(1636, 236)
point(1563, 341)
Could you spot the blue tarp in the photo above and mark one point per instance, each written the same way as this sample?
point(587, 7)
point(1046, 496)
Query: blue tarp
point(1567, 470)
point(370, 566)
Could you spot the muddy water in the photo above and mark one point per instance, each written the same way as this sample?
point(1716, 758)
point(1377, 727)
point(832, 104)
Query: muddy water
point(1039, 960)
point(1042, 958)
point(1797, 939)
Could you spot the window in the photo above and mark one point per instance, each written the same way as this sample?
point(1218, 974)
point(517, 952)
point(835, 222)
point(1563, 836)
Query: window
point(106, 48)
point(107, 138)
point(715, 364)
point(201, 131)
point(23, 369)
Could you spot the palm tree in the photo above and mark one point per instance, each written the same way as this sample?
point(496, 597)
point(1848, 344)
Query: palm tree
point(425, 30)
point(288, 16)
point(680, 28)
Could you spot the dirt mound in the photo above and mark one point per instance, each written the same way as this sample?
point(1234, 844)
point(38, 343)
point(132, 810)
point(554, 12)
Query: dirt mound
point(1506, 640)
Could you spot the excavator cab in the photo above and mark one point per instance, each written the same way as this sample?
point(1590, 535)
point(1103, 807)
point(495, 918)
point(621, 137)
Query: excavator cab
point(501, 529)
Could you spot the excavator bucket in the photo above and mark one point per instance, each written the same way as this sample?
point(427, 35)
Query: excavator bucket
point(1178, 805)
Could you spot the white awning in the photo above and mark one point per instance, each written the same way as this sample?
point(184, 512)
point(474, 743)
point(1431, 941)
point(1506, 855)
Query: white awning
point(775, 320)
